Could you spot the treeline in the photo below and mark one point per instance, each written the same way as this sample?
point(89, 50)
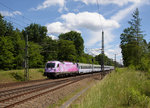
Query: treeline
point(135, 49)
point(107, 61)
point(41, 48)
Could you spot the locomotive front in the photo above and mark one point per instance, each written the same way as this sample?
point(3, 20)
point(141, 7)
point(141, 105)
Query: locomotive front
point(51, 68)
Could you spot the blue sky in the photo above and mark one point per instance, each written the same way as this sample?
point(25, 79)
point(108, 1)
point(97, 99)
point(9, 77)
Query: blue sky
point(84, 16)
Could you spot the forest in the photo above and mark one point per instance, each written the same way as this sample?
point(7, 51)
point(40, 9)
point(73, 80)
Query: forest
point(41, 47)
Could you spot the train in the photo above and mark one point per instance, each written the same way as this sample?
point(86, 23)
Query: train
point(58, 68)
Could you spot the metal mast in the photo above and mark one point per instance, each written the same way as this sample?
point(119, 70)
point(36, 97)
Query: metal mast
point(26, 73)
point(102, 63)
point(115, 61)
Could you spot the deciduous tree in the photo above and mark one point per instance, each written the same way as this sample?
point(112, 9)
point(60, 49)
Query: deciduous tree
point(76, 38)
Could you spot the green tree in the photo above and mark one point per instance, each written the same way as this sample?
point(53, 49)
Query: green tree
point(6, 55)
point(132, 42)
point(6, 28)
point(66, 50)
point(85, 58)
point(36, 33)
point(107, 61)
point(3, 28)
point(19, 49)
point(49, 49)
point(76, 38)
point(35, 57)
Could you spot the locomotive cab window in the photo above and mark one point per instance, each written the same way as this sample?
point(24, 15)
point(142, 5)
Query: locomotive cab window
point(50, 65)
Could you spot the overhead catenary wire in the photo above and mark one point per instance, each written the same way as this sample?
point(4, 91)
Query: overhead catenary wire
point(21, 23)
point(2, 4)
point(14, 22)
point(100, 20)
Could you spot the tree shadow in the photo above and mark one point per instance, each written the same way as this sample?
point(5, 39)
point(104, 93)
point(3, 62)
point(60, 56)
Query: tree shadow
point(17, 76)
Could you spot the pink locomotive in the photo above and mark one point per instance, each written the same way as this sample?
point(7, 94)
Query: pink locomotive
point(57, 68)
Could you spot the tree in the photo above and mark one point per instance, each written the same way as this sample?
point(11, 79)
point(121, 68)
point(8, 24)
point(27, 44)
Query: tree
point(66, 50)
point(6, 28)
point(35, 58)
point(19, 49)
point(77, 40)
point(36, 33)
point(3, 28)
point(14, 47)
point(107, 61)
point(132, 42)
point(6, 55)
point(49, 49)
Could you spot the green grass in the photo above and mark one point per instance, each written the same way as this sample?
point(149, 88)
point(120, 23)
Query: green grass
point(18, 75)
point(121, 89)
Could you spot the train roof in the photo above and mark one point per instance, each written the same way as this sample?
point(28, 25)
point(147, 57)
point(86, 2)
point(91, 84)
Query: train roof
point(53, 61)
point(83, 64)
point(64, 62)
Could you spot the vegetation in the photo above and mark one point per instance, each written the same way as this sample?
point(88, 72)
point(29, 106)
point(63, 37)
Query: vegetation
point(135, 50)
point(124, 88)
point(77, 40)
point(18, 75)
point(41, 47)
point(107, 61)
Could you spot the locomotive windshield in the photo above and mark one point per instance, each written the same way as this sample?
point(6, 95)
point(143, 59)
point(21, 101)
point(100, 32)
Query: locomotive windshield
point(50, 65)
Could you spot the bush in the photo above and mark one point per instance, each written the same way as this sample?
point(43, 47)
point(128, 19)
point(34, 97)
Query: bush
point(18, 76)
point(134, 97)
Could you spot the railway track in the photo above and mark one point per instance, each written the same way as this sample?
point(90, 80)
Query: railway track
point(12, 97)
point(6, 85)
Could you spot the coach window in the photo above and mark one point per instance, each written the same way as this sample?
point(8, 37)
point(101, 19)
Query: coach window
point(58, 65)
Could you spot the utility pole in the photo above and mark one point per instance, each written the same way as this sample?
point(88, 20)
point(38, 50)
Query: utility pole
point(115, 61)
point(92, 64)
point(102, 64)
point(26, 73)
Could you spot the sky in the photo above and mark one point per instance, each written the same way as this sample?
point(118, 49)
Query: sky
point(88, 17)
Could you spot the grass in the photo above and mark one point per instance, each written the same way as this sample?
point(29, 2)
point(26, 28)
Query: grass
point(124, 88)
point(18, 75)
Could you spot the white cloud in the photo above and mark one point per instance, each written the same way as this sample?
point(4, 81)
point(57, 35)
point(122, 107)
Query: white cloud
point(88, 20)
point(53, 37)
point(106, 2)
point(57, 28)
point(112, 50)
point(17, 13)
point(49, 3)
point(6, 13)
point(83, 20)
point(123, 13)
point(96, 37)
point(11, 14)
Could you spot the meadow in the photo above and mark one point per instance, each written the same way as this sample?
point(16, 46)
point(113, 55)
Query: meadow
point(123, 88)
point(18, 75)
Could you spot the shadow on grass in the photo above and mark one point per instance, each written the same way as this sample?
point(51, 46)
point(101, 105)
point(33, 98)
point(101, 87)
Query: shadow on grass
point(17, 76)
point(41, 70)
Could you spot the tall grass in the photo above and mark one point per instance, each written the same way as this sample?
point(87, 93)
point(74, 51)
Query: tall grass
point(120, 89)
